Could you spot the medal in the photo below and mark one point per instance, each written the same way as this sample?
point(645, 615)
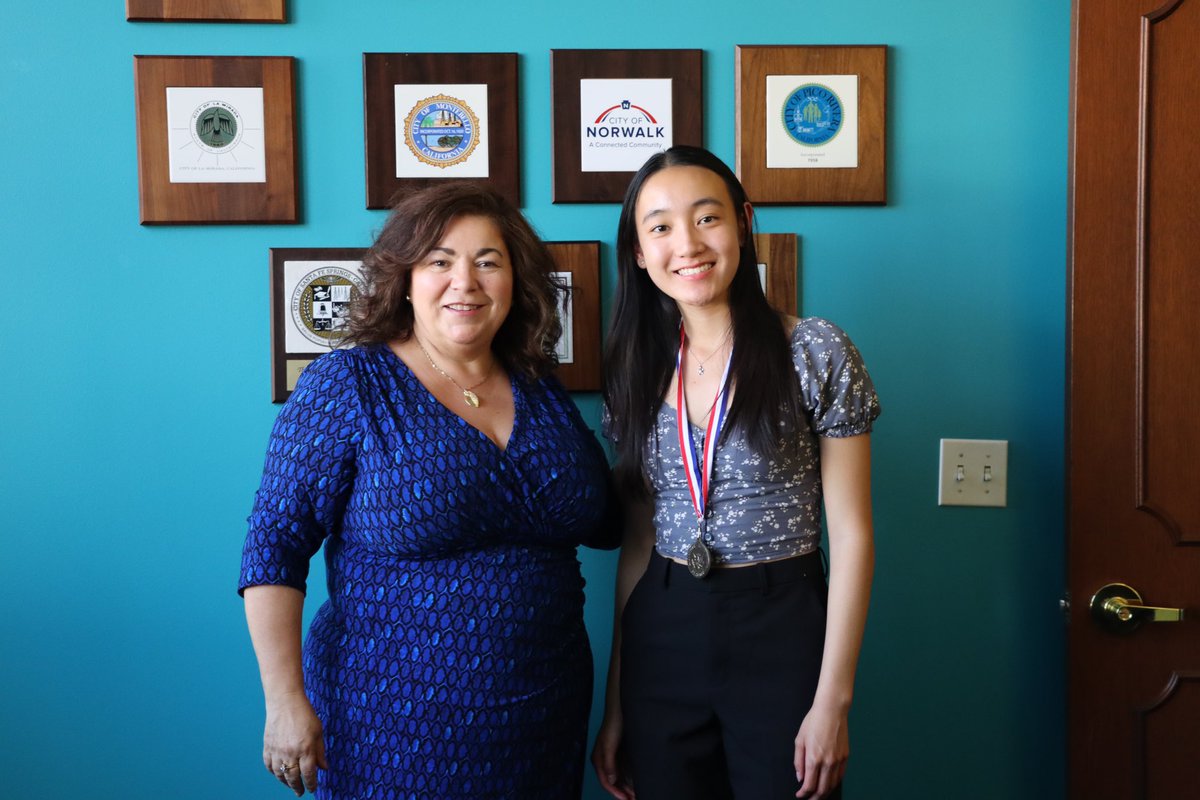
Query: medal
point(699, 557)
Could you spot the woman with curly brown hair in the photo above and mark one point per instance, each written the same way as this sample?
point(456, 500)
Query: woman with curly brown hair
point(451, 479)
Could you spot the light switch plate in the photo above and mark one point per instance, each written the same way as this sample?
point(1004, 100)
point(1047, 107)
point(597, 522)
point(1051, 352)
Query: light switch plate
point(973, 472)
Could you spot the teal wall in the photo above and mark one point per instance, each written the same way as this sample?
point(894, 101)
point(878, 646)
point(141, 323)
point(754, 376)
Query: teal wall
point(135, 403)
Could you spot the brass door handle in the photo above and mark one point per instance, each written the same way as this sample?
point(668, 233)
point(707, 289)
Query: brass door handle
point(1118, 608)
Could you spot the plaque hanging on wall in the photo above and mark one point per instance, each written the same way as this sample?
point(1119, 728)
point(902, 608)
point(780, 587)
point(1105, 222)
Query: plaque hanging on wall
point(613, 109)
point(216, 139)
point(433, 117)
point(579, 348)
point(779, 270)
point(205, 11)
point(312, 292)
point(811, 123)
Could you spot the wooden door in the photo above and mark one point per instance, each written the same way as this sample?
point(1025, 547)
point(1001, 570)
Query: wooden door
point(1134, 395)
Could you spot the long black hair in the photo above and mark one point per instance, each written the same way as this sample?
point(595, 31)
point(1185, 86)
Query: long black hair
point(639, 356)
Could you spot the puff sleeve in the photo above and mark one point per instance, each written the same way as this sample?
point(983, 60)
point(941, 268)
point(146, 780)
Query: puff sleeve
point(837, 392)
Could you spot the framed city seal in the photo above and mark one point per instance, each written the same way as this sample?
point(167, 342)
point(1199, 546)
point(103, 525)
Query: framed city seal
point(433, 117)
point(613, 109)
point(216, 139)
point(439, 135)
point(313, 291)
point(811, 123)
point(813, 114)
point(215, 135)
point(321, 301)
point(441, 131)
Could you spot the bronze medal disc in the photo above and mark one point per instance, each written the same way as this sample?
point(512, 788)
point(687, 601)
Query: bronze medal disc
point(699, 559)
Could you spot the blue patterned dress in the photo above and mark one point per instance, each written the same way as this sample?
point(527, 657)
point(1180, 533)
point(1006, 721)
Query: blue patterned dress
point(450, 660)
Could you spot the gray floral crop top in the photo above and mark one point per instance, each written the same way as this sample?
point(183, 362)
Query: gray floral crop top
point(762, 510)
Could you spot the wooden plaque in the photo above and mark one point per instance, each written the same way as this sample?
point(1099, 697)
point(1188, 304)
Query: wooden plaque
point(386, 126)
point(164, 200)
point(205, 10)
point(865, 183)
point(309, 312)
point(778, 258)
point(582, 261)
point(684, 68)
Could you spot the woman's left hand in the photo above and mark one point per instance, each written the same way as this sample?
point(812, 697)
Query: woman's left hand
point(822, 748)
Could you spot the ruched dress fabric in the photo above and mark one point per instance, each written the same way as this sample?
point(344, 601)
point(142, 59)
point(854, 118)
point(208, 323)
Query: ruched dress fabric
point(450, 660)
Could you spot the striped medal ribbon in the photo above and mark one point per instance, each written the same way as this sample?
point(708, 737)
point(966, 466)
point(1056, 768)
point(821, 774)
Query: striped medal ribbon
point(699, 559)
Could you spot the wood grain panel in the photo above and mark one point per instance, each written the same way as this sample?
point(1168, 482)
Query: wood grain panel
point(1167, 268)
point(780, 252)
point(1169, 731)
point(205, 10)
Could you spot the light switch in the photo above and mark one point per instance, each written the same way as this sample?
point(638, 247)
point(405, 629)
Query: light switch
point(973, 472)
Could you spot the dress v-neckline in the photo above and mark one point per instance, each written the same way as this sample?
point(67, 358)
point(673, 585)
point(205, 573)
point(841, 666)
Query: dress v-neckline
point(517, 396)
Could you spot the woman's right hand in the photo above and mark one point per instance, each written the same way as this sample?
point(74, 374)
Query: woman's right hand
point(292, 739)
point(607, 761)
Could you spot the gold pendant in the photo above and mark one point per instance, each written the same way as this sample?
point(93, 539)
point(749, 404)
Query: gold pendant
point(471, 398)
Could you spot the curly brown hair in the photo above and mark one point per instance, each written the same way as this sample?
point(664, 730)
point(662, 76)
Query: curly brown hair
point(526, 339)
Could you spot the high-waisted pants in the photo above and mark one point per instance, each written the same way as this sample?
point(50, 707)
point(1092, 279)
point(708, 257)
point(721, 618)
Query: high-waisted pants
point(717, 674)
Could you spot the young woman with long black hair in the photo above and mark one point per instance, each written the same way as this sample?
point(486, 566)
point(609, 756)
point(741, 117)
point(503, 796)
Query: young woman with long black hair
point(733, 658)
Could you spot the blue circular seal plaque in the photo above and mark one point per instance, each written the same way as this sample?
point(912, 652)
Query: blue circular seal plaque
point(441, 131)
point(812, 114)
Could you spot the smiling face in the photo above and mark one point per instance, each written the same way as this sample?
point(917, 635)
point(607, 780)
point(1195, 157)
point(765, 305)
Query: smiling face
point(689, 235)
point(461, 291)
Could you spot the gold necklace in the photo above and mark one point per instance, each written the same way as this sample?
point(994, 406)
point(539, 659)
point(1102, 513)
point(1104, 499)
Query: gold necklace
point(467, 393)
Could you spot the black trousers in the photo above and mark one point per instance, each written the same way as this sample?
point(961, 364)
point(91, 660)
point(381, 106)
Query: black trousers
point(716, 676)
